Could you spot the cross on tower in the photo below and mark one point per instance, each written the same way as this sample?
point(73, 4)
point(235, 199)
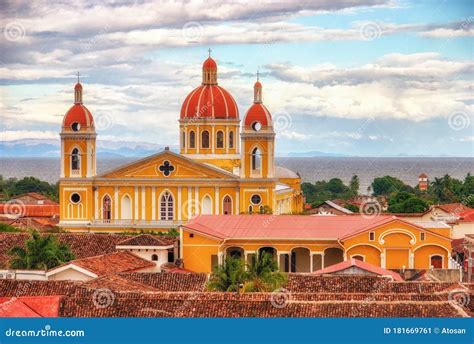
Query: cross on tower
point(166, 168)
point(78, 76)
point(258, 74)
point(210, 50)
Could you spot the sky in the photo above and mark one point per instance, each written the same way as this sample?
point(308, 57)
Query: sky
point(363, 78)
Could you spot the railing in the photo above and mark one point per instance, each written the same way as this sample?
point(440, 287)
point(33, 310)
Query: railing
point(136, 223)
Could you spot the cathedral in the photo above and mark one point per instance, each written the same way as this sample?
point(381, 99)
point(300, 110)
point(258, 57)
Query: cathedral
point(224, 167)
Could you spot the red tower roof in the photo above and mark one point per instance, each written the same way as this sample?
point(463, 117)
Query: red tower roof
point(209, 100)
point(258, 113)
point(80, 114)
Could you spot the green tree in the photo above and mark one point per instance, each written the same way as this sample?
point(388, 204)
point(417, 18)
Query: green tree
point(384, 186)
point(354, 184)
point(335, 185)
point(41, 252)
point(263, 274)
point(404, 202)
point(228, 276)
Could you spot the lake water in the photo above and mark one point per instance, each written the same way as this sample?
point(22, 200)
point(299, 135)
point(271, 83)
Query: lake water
point(310, 169)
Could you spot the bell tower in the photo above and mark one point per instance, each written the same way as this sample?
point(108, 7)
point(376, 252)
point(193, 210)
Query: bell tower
point(78, 140)
point(258, 139)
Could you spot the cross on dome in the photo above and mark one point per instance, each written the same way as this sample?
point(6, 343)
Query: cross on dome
point(209, 50)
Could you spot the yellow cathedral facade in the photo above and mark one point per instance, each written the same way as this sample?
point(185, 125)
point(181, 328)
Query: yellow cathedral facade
point(224, 167)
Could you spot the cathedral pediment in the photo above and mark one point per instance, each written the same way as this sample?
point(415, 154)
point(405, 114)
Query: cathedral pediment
point(167, 165)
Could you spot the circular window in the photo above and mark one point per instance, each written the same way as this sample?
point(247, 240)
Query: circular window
point(256, 126)
point(76, 126)
point(256, 199)
point(75, 198)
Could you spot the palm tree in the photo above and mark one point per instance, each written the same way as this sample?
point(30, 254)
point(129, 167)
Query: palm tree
point(263, 273)
point(41, 252)
point(438, 187)
point(228, 276)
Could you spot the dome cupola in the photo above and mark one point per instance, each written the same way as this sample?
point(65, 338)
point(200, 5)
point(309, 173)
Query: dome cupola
point(78, 117)
point(258, 116)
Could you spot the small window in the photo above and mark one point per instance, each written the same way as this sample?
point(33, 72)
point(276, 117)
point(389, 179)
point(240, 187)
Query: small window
point(192, 139)
point(75, 198)
point(256, 199)
point(154, 257)
point(256, 126)
point(191, 235)
point(76, 126)
point(261, 209)
point(422, 236)
point(220, 139)
point(371, 236)
point(231, 139)
point(256, 159)
point(205, 139)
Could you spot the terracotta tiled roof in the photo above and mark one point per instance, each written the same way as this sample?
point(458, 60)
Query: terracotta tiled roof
point(282, 226)
point(453, 208)
point(29, 210)
point(147, 240)
point(17, 288)
point(169, 281)
point(119, 284)
point(110, 263)
point(251, 305)
point(361, 265)
point(30, 306)
point(467, 216)
point(83, 245)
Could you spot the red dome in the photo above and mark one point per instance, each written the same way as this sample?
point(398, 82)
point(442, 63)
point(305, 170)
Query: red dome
point(78, 86)
point(258, 113)
point(209, 63)
point(80, 114)
point(257, 84)
point(210, 101)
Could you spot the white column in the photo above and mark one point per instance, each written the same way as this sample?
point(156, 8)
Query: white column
point(116, 203)
point(411, 260)
point(179, 203)
point(136, 203)
point(322, 260)
point(63, 157)
point(153, 203)
point(143, 217)
point(190, 197)
point(96, 203)
point(226, 141)
point(278, 261)
point(311, 262)
point(382, 259)
point(198, 139)
point(216, 200)
point(197, 203)
point(237, 202)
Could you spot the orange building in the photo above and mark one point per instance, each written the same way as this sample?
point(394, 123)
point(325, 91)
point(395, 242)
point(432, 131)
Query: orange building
point(221, 168)
point(308, 243)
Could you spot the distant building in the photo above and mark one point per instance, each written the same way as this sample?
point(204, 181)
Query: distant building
point(330, 208)
point(423, 182)
point(34, 198)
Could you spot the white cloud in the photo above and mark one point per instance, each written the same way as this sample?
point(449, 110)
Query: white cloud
point(12, 135)
point(294, 135)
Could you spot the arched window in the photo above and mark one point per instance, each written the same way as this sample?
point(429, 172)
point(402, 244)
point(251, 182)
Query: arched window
point(205, 139)
point(256, 159)
point(227, 205)
point(250, 209)
point(166, 206)
point(231, 139)
point(75, 160)
point(358, 257)
point(206, 205)
point(220, 139)
point(192, 139)
point(183, 139)
point(126, 208)
point(154, 257)
point(106, 208)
